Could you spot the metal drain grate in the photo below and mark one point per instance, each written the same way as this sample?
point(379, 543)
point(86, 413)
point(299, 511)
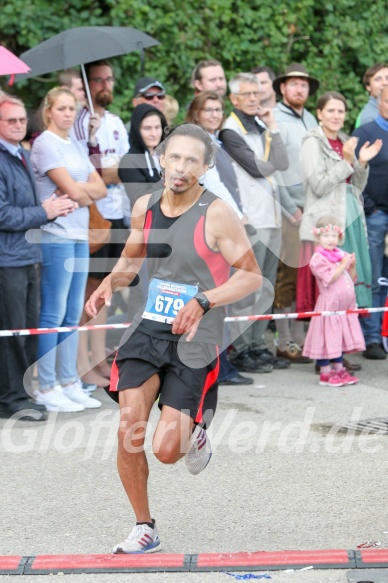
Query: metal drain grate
point(377, 425)
point(358, 427)
point(368, 576)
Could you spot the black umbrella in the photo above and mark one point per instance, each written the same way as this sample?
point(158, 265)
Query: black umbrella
point(85, 44)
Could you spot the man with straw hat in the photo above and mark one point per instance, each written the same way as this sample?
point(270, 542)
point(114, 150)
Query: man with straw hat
point(295, 86)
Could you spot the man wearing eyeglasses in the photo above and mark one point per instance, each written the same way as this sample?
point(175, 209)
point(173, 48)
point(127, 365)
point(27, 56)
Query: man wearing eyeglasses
point(149, 90)
point(20, 211)
point(251, 137)
point(111, 139)
point(107, 145)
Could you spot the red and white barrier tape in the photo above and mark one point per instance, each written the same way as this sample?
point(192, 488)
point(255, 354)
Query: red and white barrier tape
point(303, 315)
point(291, 316)
point(32, 331)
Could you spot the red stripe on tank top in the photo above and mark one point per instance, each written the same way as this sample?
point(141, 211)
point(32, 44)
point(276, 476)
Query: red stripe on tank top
point(216, 263)
point(147, 226)
point(211, 379)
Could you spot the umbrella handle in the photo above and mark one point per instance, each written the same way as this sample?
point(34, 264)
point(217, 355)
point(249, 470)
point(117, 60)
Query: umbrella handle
point(86, 85)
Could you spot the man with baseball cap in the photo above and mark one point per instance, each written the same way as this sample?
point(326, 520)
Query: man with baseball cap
point(151, 91)
point(293, 121)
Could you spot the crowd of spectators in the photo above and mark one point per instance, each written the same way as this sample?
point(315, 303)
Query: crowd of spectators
point(280, 167)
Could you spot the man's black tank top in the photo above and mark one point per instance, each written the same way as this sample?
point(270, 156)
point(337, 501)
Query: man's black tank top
point(177, 252)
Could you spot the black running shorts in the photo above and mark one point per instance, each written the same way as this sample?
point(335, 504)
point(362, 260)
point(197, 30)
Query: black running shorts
point(188, 373)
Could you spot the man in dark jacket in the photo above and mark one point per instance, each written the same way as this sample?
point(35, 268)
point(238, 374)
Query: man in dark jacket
point(376, 211)
point(20, 211)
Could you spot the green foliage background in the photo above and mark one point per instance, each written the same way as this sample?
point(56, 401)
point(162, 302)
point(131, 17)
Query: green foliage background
point(336, 41)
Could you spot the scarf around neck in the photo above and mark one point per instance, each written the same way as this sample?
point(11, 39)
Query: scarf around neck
point(334, 255)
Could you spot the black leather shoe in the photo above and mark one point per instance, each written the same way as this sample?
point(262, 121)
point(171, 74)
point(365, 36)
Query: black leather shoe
point(24, 411)
point(374, 352)
point(38, 406)
point(264, 355)
point(238, 379)
point(245, 363)
point(351, 366)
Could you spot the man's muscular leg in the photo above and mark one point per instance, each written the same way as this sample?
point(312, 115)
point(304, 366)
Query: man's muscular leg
point(172, 438)
point(135, 408)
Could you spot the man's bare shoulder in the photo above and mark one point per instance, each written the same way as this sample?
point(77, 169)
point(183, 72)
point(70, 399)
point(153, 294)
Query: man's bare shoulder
point(139, 211)
point(222, 220)
point(220, 210)
point(140, 206)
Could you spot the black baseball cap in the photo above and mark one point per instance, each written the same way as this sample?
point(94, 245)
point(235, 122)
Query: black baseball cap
point(145, 83)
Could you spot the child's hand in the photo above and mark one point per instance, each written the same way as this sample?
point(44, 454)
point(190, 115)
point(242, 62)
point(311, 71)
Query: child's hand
point(353, 261)
point(346, 261)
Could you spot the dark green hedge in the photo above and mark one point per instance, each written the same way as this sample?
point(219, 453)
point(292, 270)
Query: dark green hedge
point(336, 41)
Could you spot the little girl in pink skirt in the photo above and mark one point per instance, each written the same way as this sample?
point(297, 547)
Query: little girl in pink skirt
point(330, 336)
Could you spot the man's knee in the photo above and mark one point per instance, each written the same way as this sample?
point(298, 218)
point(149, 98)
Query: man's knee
point(168, 438)
point(167, 452)
point(131, 434)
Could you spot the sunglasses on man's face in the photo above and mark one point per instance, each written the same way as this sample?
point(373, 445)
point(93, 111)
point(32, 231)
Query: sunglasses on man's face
point(150, 96)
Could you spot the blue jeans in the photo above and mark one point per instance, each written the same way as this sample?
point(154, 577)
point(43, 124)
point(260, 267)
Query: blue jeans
point(65, 269)
point(377, 225)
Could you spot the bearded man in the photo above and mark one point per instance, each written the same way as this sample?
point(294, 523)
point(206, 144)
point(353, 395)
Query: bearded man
point(106, 146)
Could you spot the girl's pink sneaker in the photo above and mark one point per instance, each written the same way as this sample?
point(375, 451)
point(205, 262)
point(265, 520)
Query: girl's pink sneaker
point(331, 379)
point(347, 378)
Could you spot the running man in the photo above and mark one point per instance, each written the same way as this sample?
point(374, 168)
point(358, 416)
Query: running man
point(191, 238)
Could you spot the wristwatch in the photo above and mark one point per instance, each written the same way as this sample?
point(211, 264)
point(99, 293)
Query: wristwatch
point(203, 302)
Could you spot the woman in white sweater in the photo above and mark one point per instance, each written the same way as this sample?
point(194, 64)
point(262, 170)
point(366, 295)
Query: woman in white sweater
point(60, 165)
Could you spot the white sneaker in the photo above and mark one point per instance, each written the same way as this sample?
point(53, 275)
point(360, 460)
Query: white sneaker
point(55, 400)
point(75, 393)
point(88, 388)
point(142, 539)
point(200, 452)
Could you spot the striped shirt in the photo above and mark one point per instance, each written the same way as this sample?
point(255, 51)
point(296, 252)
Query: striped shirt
point(50, 151)
point(112, 138)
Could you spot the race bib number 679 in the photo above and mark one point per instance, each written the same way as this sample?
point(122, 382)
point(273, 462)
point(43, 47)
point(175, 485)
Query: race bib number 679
point(166, 298)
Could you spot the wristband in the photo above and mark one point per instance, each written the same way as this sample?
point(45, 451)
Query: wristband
point(203, 302)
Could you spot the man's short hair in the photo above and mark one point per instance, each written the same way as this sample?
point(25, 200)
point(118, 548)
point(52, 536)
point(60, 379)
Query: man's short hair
point(191, 130)
point(264, 69)
point(234, 84)
point(100, 63)
point(66, 77)
point(371, 72)
point(11, 100)
point(197, 71)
